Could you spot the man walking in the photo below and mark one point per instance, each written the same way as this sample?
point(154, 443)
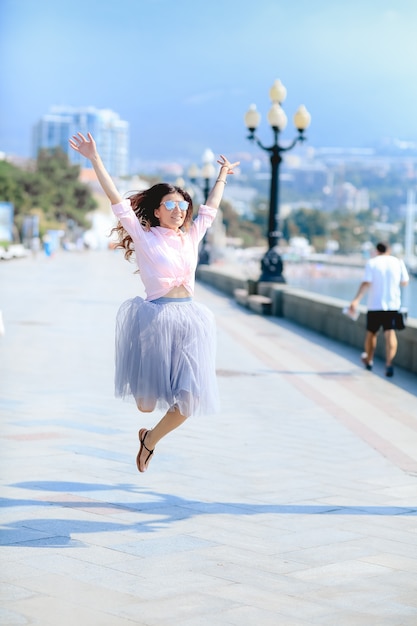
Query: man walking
point(383, 277)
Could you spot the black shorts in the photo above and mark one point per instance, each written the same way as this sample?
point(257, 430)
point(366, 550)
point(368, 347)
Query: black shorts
point(376, 319)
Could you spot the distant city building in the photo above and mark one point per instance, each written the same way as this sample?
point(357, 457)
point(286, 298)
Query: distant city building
point(347, 196)
point(110, 132)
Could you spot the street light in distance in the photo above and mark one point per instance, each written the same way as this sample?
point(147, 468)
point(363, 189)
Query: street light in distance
point(206, 174)
point(271, 264)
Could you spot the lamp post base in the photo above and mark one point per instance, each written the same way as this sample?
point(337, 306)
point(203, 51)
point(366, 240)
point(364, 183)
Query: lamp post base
point(267, 278)
point(204, 256)
point(272, 266)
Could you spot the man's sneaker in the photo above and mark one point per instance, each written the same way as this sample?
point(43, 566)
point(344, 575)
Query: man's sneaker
point(389, 371)
point(368, 364)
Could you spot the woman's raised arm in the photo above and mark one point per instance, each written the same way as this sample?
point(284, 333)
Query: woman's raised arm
point(216, 193)
point(88, 149)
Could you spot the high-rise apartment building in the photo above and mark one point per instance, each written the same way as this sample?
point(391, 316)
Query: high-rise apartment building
point(110, 132)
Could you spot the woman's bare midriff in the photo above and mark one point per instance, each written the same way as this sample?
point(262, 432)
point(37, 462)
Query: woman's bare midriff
point(178, 292)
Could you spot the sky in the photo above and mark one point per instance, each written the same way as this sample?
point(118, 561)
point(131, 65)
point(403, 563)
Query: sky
point(184, 72)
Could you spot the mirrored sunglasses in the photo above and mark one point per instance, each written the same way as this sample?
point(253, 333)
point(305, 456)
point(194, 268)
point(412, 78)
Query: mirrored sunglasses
point(171, 204)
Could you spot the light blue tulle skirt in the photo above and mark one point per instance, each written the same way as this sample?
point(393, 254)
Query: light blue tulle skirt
point(165, 355)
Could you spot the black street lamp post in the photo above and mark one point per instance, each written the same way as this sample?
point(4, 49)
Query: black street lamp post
point(207, 172)
point(271, 264)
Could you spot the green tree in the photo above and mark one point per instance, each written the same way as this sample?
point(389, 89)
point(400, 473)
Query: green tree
point(247, 230)
point(11, 184)
point(52, 188)
point(350, 229)
point(308, 223)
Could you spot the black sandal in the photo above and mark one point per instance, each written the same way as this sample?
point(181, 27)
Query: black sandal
point(142, 436)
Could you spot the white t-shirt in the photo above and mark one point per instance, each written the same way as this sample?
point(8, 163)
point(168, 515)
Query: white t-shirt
point(385, 273)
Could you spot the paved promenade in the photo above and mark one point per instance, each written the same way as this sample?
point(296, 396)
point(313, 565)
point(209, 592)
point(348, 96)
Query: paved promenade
point(295, 506)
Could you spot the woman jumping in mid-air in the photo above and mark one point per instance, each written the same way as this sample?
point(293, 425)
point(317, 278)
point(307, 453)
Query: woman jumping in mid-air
point(165, 344)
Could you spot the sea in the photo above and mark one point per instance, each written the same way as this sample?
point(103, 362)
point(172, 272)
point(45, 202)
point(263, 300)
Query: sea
point(339, 279)
point(341, 282)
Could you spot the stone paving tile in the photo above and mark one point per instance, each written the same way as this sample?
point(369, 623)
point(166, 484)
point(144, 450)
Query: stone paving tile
point(49, 610)
point(287, 508)
point(350, 617)
point(248, 616)
point(11, 618)
point(187, 605)
point(343, 571)
point(394, 561)
point(408, 596)
point(289, 603)
point(82, 594)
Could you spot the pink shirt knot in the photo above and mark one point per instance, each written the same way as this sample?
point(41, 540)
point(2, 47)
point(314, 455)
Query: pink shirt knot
point(166, 258)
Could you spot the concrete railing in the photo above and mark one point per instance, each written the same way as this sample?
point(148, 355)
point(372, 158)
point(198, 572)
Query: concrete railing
point(322, 314)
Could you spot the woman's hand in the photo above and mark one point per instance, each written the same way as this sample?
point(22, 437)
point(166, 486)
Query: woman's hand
point(86, 147)
point(224, 162)
point(216, 193)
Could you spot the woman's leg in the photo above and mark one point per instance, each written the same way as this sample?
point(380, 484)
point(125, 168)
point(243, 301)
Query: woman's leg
point(171, 420)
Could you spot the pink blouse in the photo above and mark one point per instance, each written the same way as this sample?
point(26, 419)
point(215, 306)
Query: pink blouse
point(166, 258)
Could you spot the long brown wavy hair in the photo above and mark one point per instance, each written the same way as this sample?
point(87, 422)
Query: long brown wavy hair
point(144, 204)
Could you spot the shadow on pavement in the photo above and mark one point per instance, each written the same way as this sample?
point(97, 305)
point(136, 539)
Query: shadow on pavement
point(161, 509)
